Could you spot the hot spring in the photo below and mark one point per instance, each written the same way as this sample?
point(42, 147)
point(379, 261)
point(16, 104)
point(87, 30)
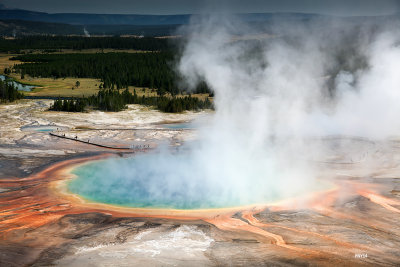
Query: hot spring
point(175, 181)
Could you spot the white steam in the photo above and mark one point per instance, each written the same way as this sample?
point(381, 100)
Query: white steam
point(284, 89)
point(273, 97)
point(86, 32)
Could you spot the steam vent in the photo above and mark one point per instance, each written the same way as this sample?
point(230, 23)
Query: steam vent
point(247, 134)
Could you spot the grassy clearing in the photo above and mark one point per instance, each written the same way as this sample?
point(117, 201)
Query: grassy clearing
point(5, 61)
point(61, 87)
point(66, 87)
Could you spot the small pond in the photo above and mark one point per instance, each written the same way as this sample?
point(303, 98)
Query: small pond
point(40, 128)
point(183, 125)
point(19, 86)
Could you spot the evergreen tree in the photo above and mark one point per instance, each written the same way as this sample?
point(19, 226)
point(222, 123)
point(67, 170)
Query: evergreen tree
point(8, 92)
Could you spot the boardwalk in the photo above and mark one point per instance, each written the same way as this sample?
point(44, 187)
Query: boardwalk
point(134, 129)
point(100, 145)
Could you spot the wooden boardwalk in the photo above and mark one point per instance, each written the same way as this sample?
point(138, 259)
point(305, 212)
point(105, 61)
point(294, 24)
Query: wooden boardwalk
point(100, 145)
point(133, 129)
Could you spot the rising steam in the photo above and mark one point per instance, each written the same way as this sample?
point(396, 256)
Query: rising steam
point(320, 77)
point(274, 94)
point(86, 32)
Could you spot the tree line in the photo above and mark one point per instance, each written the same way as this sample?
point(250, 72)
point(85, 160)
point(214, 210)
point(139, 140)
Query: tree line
point(168, 104)
point(69, 105)
point(8, 92)
point(54, 43)
point(114, 100)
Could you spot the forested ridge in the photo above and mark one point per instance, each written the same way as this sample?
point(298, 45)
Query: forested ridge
point(53, 43)
point(152, 68)
point(116, 70)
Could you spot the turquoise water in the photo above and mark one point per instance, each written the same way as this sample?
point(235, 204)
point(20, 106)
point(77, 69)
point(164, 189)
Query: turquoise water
point(40, 128)
point(19, 86)
point(185, 125)
point(173, 181)
point(45, 130)
point(144, 183)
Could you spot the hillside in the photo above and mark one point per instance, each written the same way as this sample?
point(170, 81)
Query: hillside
point(23, 27)
point(123, 19)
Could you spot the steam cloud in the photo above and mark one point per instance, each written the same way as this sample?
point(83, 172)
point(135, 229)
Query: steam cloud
point(273, 96)
point(321, 77)
point(86, 32)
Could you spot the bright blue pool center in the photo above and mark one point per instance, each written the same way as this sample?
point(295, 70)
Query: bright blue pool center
point(154, 180)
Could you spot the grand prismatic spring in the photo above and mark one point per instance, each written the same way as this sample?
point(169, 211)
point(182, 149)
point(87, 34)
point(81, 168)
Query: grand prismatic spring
point(139, 185)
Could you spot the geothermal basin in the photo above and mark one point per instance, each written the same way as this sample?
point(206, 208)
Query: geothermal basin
point(350, 211)
point(148, 181)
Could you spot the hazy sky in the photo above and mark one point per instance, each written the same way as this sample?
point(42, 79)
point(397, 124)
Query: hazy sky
point(333, 7)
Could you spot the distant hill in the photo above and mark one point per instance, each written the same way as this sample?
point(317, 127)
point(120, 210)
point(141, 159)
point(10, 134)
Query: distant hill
point(93, 19)
point(14, 22)
point(23, 27)
point(120, 19)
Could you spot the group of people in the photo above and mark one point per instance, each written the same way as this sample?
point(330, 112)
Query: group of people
point(144, 146)
point(140, 146)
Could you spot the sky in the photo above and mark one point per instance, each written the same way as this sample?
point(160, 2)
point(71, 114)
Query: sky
point(331, 7)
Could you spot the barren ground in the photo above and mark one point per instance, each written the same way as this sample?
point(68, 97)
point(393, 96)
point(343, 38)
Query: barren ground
point(354, 224)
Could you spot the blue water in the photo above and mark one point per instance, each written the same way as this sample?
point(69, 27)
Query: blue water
point(19, 86)
point(166, 180)
point(40, 128)
point(141, 182)
point(45, 130)
point(185, 125)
